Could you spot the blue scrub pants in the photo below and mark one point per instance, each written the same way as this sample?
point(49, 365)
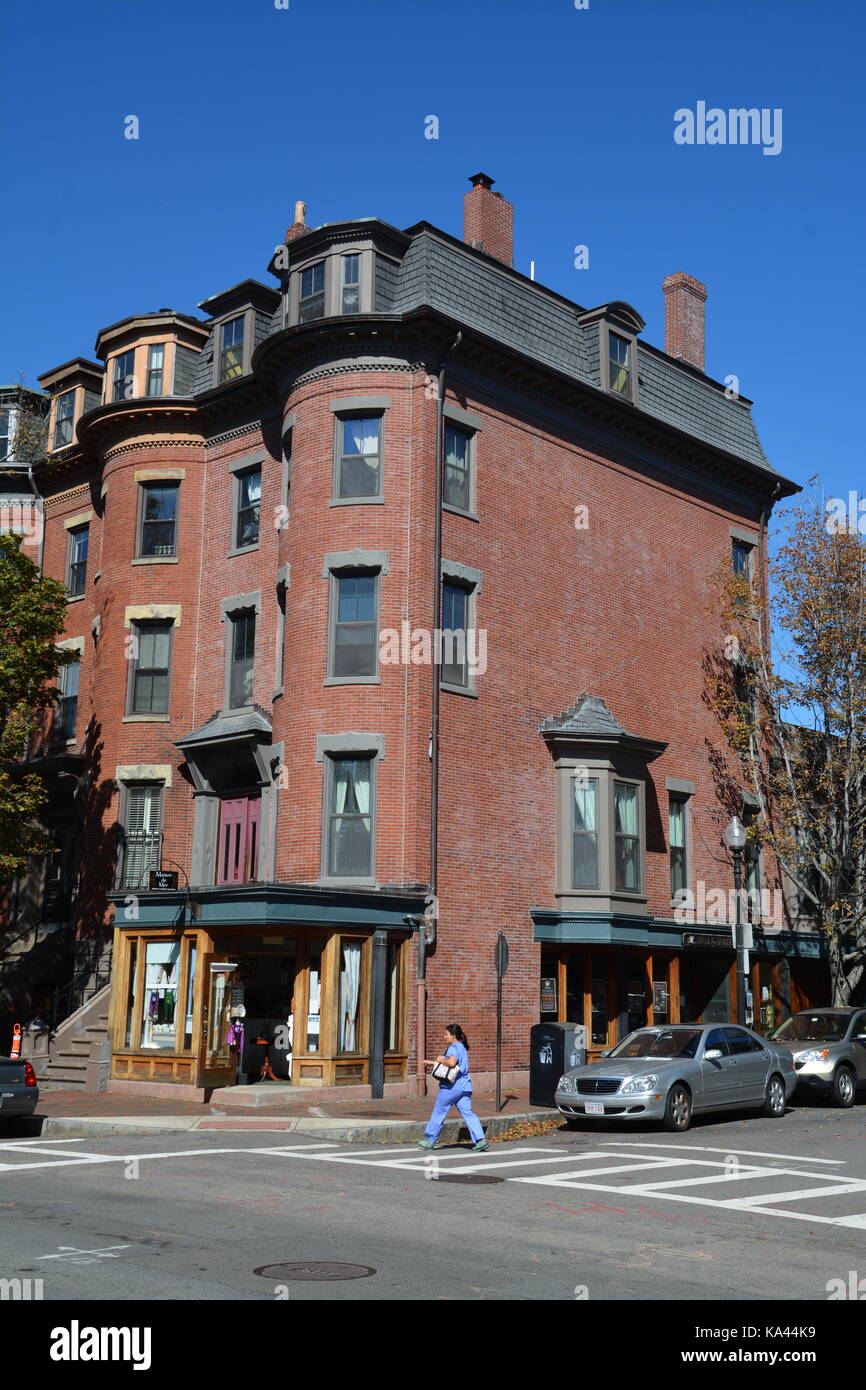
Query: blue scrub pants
point(461, 1096)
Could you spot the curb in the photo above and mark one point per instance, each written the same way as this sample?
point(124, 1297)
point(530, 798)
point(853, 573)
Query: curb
point(355, 1132)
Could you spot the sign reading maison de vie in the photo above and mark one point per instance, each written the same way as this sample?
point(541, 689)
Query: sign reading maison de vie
point(164, 880)
point(692, 938)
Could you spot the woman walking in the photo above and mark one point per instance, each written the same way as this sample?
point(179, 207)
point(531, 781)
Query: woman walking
point(457, 1092)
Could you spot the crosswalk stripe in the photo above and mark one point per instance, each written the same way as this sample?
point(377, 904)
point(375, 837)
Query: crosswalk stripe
point(769, 1198)
point(705, 1148)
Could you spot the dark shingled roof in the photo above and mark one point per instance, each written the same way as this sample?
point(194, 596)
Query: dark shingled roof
point(441, 273)
point(588, 715)
point(227, 726)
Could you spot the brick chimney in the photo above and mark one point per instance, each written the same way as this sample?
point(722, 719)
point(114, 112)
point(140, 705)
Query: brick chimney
point(299, 226)
point(488, 220)
point(684, 317)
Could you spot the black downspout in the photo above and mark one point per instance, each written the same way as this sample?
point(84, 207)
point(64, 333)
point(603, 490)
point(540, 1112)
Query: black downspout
point(434, 715)
point(377, 1013)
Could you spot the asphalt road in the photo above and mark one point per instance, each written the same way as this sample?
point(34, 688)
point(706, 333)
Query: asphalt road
point(740, 1209)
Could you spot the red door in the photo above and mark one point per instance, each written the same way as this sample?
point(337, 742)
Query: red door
point(239, 840)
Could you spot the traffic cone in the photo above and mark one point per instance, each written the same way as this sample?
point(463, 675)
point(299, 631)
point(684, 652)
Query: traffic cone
point(16, 1042)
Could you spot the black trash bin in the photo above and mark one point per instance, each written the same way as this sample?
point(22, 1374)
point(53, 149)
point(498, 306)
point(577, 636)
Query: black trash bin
point(553, 1049)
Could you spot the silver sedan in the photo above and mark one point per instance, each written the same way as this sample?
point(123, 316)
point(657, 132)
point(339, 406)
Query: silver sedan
point(670, 1073)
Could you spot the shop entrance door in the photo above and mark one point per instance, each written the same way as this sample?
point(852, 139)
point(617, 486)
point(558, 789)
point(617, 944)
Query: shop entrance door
point(266, 988)
point(216, 1058)
point(710, 993)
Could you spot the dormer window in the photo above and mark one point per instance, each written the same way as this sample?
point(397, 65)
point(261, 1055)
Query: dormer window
point(124, 376)
point(619, 349)
point(617, 325)
point(312, 297)
point(155, 368)
point(64, 419)
point(350, 302)
point(232, 349)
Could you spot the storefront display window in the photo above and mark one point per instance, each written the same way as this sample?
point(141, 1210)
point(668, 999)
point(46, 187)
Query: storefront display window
point(599, 1001)
point(159, 1002)
point(130, 996)
point(350, 983)
point(188, 1029)
point(392, 998)
point(218, 1014)
point(314, 996)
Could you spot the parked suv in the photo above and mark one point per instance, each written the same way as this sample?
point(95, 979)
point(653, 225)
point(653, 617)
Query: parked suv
point(829, 1051)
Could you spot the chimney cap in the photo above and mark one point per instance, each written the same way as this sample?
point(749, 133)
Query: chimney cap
point(481, 180)
point(688, 282)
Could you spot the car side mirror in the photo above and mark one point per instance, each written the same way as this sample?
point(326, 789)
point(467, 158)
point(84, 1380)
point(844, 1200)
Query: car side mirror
point(606, 1052)
point(713, 1055)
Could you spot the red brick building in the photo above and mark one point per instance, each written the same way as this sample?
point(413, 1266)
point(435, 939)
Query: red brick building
point(260, 549)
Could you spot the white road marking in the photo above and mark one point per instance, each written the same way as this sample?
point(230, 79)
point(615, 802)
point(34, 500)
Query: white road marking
point(128, 1157)
point(58, 1153)
point(651, 1164)
point(34, 1143)
point(560, 1180)
point(73, 1255)
point(740, 1175)
point(769, 1198)
point(704, 1148)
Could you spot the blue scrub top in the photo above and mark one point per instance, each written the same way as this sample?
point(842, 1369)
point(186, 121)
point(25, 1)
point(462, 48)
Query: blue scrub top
point(461, 1056)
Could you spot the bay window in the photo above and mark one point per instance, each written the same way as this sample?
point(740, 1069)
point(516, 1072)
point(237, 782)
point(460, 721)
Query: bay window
point(584, 858)
point(626, 836)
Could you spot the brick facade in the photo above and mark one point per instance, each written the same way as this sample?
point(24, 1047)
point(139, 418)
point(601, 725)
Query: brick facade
point(614, 605)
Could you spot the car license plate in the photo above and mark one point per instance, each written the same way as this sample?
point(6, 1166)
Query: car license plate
point(594, 1107)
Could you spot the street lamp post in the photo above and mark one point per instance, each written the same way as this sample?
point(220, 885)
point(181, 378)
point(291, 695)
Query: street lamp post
point(735, 839)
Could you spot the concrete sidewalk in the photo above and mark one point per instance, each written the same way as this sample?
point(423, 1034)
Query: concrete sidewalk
point(79, 1114)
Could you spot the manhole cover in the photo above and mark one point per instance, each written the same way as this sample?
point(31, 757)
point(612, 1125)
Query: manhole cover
point(468, 1177)
point(314, 1270)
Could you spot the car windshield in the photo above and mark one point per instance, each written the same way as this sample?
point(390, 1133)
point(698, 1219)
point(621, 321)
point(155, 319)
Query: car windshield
point(664, 1042)
point(813, 1028)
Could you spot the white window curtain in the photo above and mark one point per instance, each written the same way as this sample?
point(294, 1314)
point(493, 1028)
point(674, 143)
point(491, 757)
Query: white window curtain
point(625, 807)
point(361, 787)
point(677, 824)
point(350, 979)
point(362, 437)
point(341, 785)
point(584, 805)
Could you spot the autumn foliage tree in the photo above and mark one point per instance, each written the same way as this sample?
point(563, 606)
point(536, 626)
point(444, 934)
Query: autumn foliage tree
point(788, 686)
point(32, 613)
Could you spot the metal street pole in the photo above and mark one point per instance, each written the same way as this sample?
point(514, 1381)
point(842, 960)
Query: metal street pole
point(741, 949)
point(500, 960)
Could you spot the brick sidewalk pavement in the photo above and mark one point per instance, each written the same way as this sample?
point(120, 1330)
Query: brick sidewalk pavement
point(104, 1105)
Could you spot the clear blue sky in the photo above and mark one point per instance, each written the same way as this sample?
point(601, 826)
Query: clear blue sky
point(244, 107)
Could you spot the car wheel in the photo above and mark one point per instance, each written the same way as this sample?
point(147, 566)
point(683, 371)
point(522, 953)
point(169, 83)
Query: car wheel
point(775, 1099)
point(678, 1111)
point(844, 1087)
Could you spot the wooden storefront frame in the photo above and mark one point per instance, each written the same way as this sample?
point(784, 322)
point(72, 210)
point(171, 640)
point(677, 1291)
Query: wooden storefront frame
point(333, 1068)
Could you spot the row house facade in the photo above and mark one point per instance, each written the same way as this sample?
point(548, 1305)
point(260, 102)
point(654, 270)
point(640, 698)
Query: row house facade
point(266, 517)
